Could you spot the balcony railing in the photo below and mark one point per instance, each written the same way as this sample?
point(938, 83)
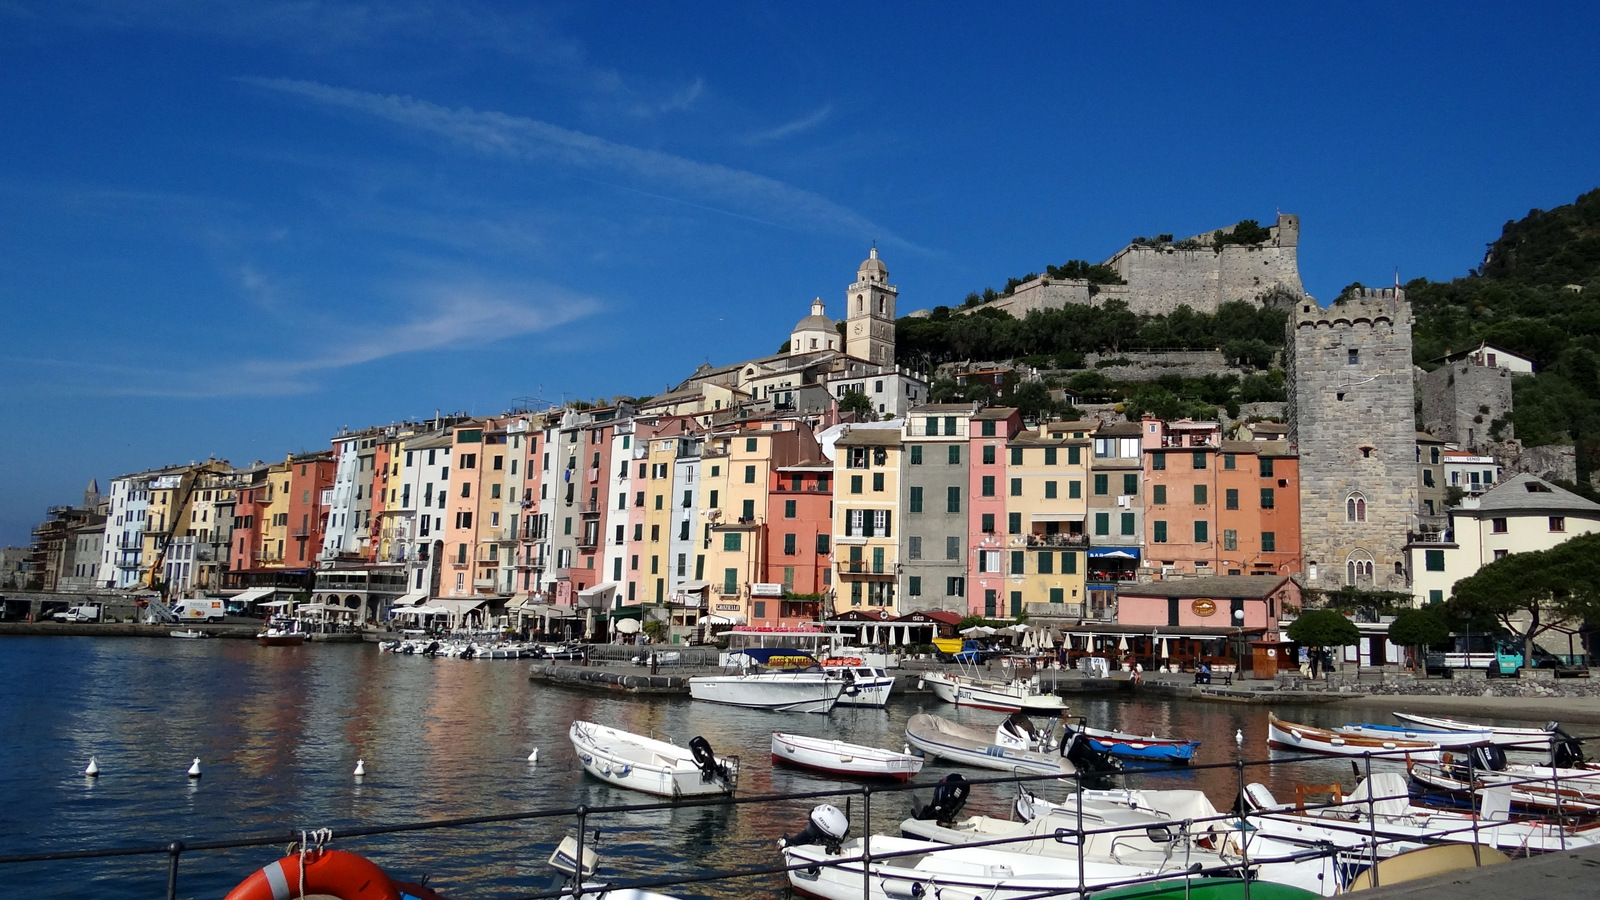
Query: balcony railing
point(1074, 541)
point(867, 567)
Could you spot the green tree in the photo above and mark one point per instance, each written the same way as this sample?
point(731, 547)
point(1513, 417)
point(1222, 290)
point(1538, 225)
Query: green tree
point(1418, 628)
point(1531, 593)
point(656, 630)
point(1323, 628)
point(858, 403)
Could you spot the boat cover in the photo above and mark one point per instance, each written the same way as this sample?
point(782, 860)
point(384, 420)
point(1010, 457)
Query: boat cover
point(781, 658)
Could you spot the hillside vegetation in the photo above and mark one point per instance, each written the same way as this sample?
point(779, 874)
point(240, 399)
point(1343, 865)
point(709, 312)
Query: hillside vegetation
point(1536, 294)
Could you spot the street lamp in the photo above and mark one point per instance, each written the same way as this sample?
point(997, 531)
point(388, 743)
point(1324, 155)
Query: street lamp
point(1238, 635)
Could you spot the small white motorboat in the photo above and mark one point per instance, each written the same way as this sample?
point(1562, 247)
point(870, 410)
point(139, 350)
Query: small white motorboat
point(782, 680)
point(1447, 740)
point(864, 685)
point(1512, 738)
point(189, 634)
point(1310, 739)
point(1020, 695)
point(1009, 748)
point(653, 766)
point(841, 758)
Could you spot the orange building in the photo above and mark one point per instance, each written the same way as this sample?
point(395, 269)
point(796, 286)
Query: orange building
point(1180, 461)
point(799, 543)
point(310, 478)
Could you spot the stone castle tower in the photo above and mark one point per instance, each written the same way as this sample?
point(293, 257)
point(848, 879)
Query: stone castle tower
point(1349, 381)
point(869, 310)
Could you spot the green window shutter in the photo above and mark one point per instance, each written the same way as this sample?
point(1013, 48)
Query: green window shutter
point(1158, 460)
point(855, 484)
point(1269, 498)
point(1018, 562)
point(1269, 542)
point(1049, 456)
point(1013, 523)
point(1231, 498)
point(730, 581)
point(1130, 484)
point(1102, 523)
point(987, 522)
point(1069, 562)
point(1016, 487)
point(916, 500)
point(916, 454)
point(914, 586)
point(1160, 532)
point(788, 545)
point(988, 485)
point(877, 481)
point(1016, 456)
point(788, 509)
point(1199, 459)
point(1200, 495)
point(1435, 597)
point(1057, 595)
point(1202, 531)
point(1128, 524)
point(748, 510)
point(1435, 560)
point(1049, 490)
point(1016, 603)
point(1101, 485)
point(1047, 563)
point(1266, 467)
point(955, 454)
point(952, 499)
point(988, 456)
point(1158, 494)
point(1074, 455)
point(730, 540)
point(1075, 489)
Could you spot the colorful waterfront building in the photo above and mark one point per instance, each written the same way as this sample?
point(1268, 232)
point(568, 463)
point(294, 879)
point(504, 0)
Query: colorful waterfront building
point(1046, 478)
point(867, 471)
point(934, 535)
point(800, 542)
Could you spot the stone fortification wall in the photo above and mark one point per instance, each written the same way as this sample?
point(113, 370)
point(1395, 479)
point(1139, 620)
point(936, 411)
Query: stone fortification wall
point(1552, 462)
point(1148, 366)
point(1461, 400)
point(1349, 380)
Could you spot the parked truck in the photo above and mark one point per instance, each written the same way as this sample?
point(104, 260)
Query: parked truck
point(201, 610)
point(1502, 655)
point(83, 612)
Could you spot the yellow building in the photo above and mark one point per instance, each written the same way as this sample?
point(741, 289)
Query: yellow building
point(274, 517)
point(866, 501)
point(1044, 560)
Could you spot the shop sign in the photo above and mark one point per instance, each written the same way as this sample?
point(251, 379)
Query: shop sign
point(1204, 607)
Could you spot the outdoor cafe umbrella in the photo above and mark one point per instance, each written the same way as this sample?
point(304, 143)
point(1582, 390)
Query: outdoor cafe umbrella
point(978, 631)
point(626, 626)
point(1122, 644)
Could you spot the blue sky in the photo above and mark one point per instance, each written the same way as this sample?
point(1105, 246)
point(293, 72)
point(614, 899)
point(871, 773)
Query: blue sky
point(230, 227)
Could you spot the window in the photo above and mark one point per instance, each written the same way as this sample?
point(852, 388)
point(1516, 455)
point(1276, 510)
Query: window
point(914, 586)
point(1202, 531)
point(1158, 532)
point(1069, 563)
point(1102, 485)
point(1355, 508)
point(1128, 526)
point(1074, 489)
point(1230, 539)
point(1497, 526)
point(1049, 456)
point(1158, 494)
point(1498, 554)
point(1230, 498)
point(1049, 490)
point(731, 540)
point(749, 474)
point(950, 426)
point(877, 481)
point(989, 561)
point(788, 509)
point(988, 523)
point(955, 587)
point(748, 511)
point(1269, 498)
point(1158, 460)
point(469, 461)
point(952, 547)
point(1102, 523)
point(1074, 455)
point(915, 504)
point(730, 581)
point(880, 523)
point(1352, 357)
point(466, 489)
point(713, 498)
point(1016, 456)
point(1013, 523)
point(638, 499)
point(463, 520)
point(1130, 485)
point(1199, 495)
point(789, 545)
point(1558, 523)
point(1199, 459)
point(988, 428)
point(1427, 478)
point(1269, 542)
point(1047, 563)
point(855, 484)
point(1266, 467)
point(1435, 597)
point(1016, 487)
point(952, 499)
point(914, 547)
point(955, 454)
point(932, 426)
point(916, 454)
point(824, 543)
point(1433, 560)
point(1229, 461)
point(988, 456)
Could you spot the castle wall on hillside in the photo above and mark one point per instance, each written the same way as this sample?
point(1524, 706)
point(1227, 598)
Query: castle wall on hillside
point(1349, 381)
point(1461, 400)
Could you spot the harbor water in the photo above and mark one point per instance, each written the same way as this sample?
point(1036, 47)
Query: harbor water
point(278, 732)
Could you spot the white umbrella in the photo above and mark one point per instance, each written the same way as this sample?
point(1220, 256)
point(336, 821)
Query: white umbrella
point(1164, 653)
point(1122, 644)
point(626, 626)
point(1047, 640)
point(978, 631)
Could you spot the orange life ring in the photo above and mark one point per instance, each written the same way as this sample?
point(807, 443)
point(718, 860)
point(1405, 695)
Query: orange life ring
point(333, 873)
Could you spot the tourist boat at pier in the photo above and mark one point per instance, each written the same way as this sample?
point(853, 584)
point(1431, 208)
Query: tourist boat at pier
point(841, 758)
point(653, 766)
point(1310, 739)
point(779, 679)
point(1012, 747)
point(1022, 695)
point(1512, 738)
point(807, 639)
point(1132, 746)
point(282, 633)
point(868, 685)
point(1447, 740)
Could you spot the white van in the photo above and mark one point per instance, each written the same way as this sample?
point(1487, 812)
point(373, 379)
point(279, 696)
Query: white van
point(88, 612)
point(198, 610)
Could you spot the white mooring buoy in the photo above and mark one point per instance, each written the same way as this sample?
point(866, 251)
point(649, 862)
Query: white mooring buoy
point(93, 769)
point(534, 756)
point(194, 768)
point(361, 767)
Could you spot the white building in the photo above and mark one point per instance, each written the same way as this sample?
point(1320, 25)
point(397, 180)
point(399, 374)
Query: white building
point(125, 526)
point(1471, 472)
point(1523, 514)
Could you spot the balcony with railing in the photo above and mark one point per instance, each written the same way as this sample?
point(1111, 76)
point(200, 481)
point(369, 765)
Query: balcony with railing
point(886, 567)
point(1061, 540)
point(589, 508)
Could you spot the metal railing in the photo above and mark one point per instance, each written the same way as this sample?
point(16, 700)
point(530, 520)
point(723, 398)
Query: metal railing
point(1349, 810)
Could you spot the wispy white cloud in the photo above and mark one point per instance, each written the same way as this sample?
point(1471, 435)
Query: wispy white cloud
point(685, 98)
point(709, 185)
point(789, 129)
point(447, 317)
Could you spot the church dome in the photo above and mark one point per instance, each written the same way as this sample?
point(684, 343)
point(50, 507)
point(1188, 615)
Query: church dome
point(816, 321)
point(873, 264)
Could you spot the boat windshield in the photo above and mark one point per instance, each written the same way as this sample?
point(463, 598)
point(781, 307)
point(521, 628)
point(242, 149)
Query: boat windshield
point(785, 659)
point(814, 642)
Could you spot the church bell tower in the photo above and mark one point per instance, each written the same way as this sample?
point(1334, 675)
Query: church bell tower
point(869, 306)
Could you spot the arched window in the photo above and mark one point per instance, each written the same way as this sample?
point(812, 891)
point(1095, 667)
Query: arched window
point(1355, 507)
point(1358, 568)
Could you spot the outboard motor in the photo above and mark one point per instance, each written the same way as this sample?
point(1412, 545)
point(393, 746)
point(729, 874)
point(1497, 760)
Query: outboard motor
point(469, 651)
point(1085, 758)
point(710, 768)
point(1018, 731)
point(1566, 751)
point(1488, 759)
point(949, 796)
point(827, 827)
point(431, 650)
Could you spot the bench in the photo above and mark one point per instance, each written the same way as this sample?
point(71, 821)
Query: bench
point(1214, 678)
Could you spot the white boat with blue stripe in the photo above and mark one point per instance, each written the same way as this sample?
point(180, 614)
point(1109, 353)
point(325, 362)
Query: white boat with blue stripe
point(653, 766)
